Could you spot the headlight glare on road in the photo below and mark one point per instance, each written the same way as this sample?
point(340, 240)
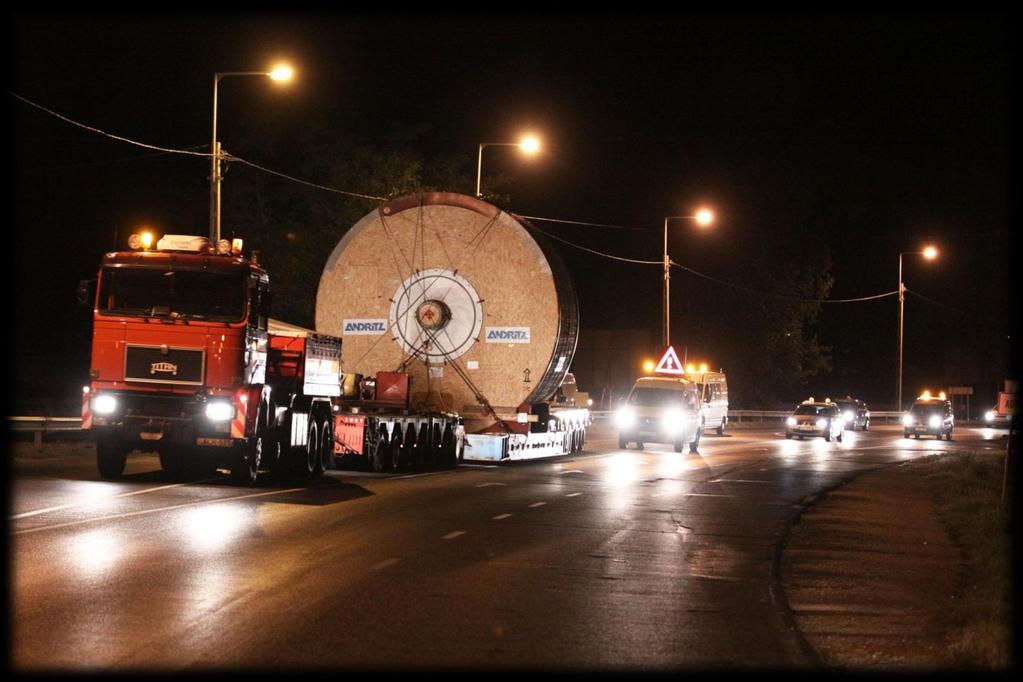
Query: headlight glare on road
point(934, 421)
point(104, 404)
point(219, 410)
point(625, 418)
point(907, 420)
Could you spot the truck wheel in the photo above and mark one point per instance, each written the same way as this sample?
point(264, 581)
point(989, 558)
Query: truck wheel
point(396, 459)
point(377, 460)
point(327, 445)
point(447, 449)
point(437, 448)
point(424, 453)
point(307, 458)
point(412, 459)
point(245, 469)
point(111, 455)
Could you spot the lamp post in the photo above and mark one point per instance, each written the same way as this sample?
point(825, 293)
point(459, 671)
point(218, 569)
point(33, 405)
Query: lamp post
point(280, 73)
point(930, 253)
point(529, 145)
point(703, 217)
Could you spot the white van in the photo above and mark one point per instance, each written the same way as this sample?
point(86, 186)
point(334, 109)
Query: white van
point(661, 410)
point(714, 396)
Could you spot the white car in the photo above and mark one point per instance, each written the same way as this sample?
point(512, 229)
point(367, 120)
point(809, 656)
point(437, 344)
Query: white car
point(812, 418)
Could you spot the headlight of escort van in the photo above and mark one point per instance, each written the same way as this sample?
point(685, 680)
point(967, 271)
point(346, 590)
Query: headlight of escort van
point(822, 423)
point(849, 416)
point(671, 420)
point(934, 421)
point(625, 417)
point(989, 416)
point(907, 420)
point(103, 404)
point(219, 410)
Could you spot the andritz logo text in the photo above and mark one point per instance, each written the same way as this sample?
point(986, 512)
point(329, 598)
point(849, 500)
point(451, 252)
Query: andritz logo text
point(507, 335)
point(356, 327)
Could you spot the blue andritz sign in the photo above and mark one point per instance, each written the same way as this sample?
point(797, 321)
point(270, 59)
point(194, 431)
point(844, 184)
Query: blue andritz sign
point(364, 327)
point(507, 335)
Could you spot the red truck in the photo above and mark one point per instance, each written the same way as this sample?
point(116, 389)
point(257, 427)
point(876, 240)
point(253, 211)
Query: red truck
point(186, 362)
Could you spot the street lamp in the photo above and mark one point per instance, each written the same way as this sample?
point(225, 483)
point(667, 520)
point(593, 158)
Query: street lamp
point(703, 217)
point(930, 253)
point(529, 145)
point(280, 73)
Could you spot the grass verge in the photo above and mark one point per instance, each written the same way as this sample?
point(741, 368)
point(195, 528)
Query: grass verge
point(967, 487)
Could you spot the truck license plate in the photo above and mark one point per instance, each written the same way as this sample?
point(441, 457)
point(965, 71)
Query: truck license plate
point(218, 442)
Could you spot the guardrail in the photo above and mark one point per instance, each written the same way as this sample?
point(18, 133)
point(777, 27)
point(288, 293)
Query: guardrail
point(757, 416)
point(41, 425)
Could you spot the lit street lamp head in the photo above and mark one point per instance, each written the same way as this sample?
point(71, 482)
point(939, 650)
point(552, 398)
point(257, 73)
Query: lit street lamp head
point(930, 253)
point(530, 144)
point(281, 72)
point(704, 216)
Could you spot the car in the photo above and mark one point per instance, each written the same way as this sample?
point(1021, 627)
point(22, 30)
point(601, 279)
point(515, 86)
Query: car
point(997, 420)
point(812, 418)
point(661, 410)
point(929, 416)
point(855, 413)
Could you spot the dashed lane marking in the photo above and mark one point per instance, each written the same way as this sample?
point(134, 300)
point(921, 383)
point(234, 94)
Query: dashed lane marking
point(454, 534)
point(499, 517)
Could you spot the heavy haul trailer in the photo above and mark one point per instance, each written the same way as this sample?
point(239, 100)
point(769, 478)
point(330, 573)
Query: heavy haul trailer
point(476, 306)
point(187, 362)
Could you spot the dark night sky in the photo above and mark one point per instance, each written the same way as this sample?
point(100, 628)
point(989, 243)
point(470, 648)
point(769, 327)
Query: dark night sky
point(894, 126)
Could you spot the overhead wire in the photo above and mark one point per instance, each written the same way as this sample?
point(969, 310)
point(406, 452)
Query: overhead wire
point(238, 159)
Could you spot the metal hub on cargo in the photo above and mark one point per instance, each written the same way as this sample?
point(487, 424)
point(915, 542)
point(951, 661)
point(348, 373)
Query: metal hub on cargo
point(436, 315)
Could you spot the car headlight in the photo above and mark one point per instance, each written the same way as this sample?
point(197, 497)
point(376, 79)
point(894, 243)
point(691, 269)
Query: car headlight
point(791, 421)
point(219, 410)
point(989, 416)
point(625, 417)
point(822, 423)
point(907, 420)
point(672, 420)
point(104, 404)
point(849, 416)
point(934, 421)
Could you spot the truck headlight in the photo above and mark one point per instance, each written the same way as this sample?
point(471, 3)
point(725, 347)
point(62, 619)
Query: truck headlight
point(104, 404)
point(934, 421)
point(907, 420)
point(219, 410)
point(791, 421)
point(625, 417)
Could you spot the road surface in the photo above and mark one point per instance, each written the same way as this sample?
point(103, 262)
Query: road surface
point(608, 560)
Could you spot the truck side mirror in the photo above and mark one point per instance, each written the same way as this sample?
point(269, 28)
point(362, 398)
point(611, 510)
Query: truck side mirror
point(85, 294)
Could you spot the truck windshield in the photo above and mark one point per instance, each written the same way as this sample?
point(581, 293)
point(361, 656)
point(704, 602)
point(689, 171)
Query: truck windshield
point(657, 397)
point(178, 294)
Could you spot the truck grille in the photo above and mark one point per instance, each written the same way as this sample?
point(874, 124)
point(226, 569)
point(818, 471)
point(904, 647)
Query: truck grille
point(164, 365)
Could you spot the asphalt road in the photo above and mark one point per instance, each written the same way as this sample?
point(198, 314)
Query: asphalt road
point(610, 560)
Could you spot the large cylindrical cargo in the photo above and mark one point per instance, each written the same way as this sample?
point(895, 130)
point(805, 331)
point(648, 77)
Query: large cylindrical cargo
point(472, 301)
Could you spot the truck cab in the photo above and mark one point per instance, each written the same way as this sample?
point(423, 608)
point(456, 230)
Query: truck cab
point(661, 410)
point(179, 349)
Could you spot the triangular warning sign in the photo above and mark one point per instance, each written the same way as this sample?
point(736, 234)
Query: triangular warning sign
point(669, 363)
